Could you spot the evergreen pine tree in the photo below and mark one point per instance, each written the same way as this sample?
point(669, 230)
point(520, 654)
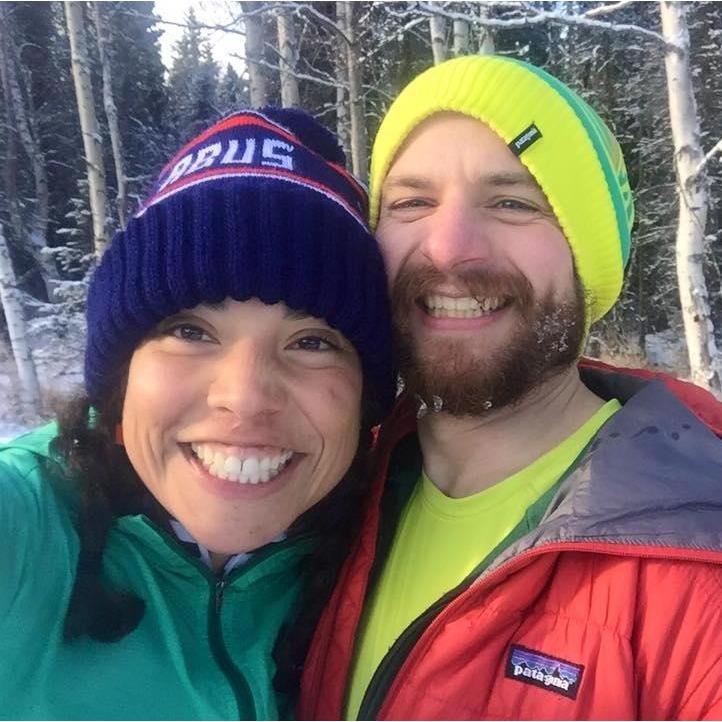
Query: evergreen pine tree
point(232, 91)
point(192, 83)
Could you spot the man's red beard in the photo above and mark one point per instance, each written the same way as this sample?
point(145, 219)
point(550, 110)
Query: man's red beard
point(546, 338)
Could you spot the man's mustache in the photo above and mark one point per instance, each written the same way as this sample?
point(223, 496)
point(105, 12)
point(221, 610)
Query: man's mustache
point(413, 283)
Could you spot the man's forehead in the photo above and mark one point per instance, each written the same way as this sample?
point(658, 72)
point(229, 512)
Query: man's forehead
point(422, 181)
point(414, 167)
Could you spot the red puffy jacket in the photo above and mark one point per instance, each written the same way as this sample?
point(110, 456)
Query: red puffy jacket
point(610, 609)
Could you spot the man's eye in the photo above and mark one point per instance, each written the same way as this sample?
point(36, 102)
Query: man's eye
point(188, 332)
point(512, 204)
point(409, 203)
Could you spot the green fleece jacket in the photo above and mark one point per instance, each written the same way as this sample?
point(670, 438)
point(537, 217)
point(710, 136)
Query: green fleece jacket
point(202, 650)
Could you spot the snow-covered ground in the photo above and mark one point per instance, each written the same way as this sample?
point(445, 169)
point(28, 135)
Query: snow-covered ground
point(10, 431)
point(57, 348)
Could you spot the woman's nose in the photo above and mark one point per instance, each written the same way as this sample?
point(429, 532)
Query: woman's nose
point(247, 382)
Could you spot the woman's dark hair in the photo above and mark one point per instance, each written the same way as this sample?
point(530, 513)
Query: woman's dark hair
point(109, 487)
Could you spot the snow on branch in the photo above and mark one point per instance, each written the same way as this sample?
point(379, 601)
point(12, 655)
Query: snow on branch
point(333, 83)
point(537, 18)
point(228, 27)
point(606, 9)
point(717, 148)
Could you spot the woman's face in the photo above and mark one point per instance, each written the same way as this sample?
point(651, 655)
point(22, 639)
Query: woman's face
point(240, 417)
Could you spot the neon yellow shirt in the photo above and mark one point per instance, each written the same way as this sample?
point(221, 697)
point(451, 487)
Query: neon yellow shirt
point(440, 541)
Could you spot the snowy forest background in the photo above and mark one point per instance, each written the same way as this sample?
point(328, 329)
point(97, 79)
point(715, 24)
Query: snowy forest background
point(89, 113)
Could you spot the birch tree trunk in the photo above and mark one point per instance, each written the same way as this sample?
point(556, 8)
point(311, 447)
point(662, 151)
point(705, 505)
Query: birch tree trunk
point(486, 39)
point(693, 200)
point(359, 142)
point(111, 112)
point(437, 28)
point(342, 114)
point(461, 37)
point(254, 54)
point(38, 231)
point(288, 48)
point(15, 317)
point(88, 123)
point(10, 167)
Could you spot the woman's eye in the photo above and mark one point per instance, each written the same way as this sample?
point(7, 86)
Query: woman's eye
point(315, 343)
point(188, 332)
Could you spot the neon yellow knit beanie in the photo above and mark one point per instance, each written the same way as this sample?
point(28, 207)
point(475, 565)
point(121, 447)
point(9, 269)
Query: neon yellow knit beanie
point(564, 144)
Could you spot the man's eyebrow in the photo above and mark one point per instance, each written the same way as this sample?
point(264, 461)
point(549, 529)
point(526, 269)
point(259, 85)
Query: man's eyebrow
point(407, 181)
point(510, 178)
point(502, 178)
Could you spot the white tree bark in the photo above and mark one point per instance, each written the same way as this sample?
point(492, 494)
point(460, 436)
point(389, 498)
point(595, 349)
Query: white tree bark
point(437, 28)
point(692, 192)
point(461, 37)
point(111, 112)
point(288, 48)
point(10, 169)
point(359, 142)
point(14, 315)
point(38, 230)
point(342, 115)
point(486, 39)
point(254, 54)
point(88, 124)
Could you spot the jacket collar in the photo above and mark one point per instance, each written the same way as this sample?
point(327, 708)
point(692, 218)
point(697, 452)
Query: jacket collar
point(650, 478)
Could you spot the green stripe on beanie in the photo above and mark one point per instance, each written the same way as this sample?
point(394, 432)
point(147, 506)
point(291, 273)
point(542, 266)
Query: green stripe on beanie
point(608, 152)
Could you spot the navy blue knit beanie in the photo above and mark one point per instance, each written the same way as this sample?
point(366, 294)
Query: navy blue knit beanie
point(258, 206)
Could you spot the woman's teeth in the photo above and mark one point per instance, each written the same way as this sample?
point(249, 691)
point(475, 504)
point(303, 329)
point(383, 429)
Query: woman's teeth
point(249, 470)
point(466, 307)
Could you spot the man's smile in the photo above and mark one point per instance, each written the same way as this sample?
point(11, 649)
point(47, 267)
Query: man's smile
point(439, 306)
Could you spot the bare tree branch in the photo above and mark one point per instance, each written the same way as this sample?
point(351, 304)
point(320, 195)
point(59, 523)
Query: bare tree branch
point(717, 148)
point(606, 9)
point(537, 18)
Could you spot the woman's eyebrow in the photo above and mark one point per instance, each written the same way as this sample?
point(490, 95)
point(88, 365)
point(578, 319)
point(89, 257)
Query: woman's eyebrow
point(217, 306)
point(294, 315)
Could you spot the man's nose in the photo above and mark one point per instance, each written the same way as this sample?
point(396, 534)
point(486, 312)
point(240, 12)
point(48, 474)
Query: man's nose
point(457, 235)
point(247, 382)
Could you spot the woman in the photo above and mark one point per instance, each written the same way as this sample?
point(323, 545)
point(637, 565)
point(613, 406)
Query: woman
point(238, 336)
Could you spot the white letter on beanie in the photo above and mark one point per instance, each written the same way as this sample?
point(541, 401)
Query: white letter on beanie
point(247, 157)
point(271, 157)
point(205, 158)
point(178, 170)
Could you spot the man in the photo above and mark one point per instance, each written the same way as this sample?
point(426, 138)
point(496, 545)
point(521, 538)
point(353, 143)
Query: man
point(544, 539)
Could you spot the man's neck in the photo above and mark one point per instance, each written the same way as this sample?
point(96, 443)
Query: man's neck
point(466, 455)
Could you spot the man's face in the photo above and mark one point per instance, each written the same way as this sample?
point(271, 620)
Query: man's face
point(486, 302)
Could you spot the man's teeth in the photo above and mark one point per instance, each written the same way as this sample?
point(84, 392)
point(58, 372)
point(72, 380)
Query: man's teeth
point(250, 470)
point(465, 307)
